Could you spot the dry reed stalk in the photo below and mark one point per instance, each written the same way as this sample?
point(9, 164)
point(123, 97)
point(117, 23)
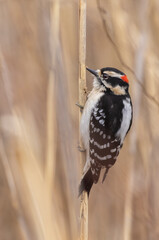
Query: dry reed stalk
point(51, 100)
point(127, 226)
point(38, 204)
point(51, 133)
point(82, 99)
point(31, 193)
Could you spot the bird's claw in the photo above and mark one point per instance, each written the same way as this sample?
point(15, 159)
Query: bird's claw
point(80, 106)
point(81, 149)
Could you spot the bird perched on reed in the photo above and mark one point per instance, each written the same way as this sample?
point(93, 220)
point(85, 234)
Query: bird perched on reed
point(106, 120)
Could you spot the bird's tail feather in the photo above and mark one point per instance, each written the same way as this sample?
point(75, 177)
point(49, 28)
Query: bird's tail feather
point(86, 182)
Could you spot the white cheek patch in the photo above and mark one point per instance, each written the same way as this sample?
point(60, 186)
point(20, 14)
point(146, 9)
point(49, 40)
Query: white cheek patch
point(113, 74)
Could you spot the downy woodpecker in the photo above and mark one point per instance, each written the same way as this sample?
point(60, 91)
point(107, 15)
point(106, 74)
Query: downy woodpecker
point(106, 120)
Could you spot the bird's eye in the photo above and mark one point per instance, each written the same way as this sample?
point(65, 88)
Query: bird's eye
point(105, 76)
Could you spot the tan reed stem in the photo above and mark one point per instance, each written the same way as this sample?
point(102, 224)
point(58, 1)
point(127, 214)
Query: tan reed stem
point(82, 99)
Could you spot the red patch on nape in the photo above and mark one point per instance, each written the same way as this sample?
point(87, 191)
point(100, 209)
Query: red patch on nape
point(125, 79)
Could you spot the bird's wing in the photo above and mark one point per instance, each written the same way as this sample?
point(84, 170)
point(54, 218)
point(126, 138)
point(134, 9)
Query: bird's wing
point(103, 146)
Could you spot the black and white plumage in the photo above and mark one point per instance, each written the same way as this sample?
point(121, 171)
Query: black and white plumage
point(106, 119)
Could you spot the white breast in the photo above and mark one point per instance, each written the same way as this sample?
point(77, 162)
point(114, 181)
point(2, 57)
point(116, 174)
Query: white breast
point(93, 98)
point(126, 118)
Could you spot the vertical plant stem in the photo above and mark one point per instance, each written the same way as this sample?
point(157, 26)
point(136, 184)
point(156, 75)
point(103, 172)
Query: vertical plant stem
point(82, 99)
point(51, 99)
point(51, 112)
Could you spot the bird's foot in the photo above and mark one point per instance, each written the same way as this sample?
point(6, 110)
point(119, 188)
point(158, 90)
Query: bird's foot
point(81, 149)
point(80, 106)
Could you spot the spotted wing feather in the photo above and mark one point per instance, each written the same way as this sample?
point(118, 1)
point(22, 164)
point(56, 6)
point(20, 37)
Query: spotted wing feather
point(104, 147)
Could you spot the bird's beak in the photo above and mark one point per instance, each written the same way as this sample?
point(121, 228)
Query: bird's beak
point(93, 72)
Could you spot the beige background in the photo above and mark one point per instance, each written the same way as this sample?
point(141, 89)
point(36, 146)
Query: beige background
point(39, 162)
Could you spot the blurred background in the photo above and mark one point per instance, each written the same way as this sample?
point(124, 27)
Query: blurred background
point(39, 160)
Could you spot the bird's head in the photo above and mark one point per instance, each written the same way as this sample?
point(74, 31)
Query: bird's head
point(110, 79)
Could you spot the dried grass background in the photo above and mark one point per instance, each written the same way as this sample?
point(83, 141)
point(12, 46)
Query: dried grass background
point(39, 161)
